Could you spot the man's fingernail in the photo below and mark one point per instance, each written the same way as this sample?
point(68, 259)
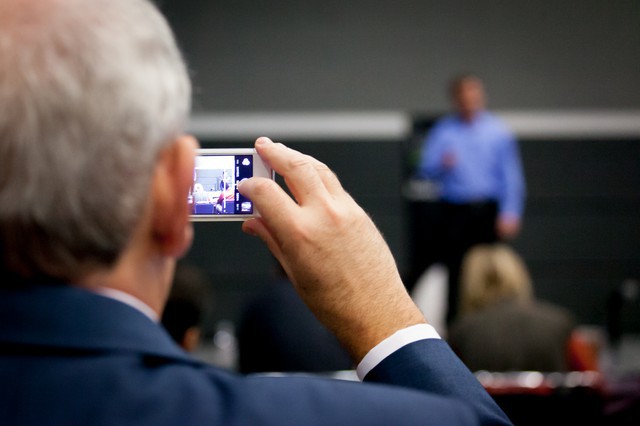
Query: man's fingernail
point(263, 140)
point(247, 229)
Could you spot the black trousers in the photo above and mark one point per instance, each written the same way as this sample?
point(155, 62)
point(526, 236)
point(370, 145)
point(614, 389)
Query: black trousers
point(463, 226)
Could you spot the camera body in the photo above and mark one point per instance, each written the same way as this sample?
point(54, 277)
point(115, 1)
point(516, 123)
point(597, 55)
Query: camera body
point(214, 195)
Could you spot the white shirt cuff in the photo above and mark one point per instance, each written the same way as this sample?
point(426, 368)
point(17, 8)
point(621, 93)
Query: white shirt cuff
point(392, 343)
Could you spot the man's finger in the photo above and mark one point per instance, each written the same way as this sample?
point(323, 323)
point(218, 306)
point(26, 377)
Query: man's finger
point(330, 180)
point(275, 206)
point(304, 175)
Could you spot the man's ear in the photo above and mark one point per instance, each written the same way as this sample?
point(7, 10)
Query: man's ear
point(173, 177)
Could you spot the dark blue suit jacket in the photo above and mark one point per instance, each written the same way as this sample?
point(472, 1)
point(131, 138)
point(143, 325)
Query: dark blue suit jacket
point(71, 357)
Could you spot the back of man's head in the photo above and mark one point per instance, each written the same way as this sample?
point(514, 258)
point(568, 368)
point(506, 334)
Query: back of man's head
point(90, 92)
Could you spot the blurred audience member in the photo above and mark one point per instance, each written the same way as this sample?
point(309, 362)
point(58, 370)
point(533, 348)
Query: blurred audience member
point(225, 201)
point(200, 195)
point(278, 333)
point(184, 312)
point(503, 327)
point(474, 158)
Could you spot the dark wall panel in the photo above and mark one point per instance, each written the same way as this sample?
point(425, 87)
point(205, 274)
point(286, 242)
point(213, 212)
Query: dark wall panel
point(581, 234)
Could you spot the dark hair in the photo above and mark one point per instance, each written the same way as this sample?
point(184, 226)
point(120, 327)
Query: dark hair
point(179, 316)
point(185, 306)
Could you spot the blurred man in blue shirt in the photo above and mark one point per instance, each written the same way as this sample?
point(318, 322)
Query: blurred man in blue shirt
point(474, 158)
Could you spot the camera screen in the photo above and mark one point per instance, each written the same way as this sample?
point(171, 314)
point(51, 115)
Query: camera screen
point(215, 179)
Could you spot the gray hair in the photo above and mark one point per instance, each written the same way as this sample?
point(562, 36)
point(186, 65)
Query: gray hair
point(90, 92)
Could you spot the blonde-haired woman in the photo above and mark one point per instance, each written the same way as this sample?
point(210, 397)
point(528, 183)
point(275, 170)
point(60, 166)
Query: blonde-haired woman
point(502, 326)
point(491, 273)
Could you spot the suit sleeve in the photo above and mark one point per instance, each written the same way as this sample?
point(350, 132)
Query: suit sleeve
point(431, 366)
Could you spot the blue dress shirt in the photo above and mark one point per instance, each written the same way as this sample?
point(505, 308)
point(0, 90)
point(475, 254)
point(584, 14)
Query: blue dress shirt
point(487, 162)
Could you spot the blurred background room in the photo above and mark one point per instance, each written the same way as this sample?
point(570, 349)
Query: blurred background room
point(359, 83)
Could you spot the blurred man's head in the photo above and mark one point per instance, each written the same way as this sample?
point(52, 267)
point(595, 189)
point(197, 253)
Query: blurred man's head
point(91, 92)
point(186, 307)
point(468, 96)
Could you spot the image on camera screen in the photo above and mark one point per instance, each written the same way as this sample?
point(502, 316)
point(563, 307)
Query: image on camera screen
point(215, 179)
